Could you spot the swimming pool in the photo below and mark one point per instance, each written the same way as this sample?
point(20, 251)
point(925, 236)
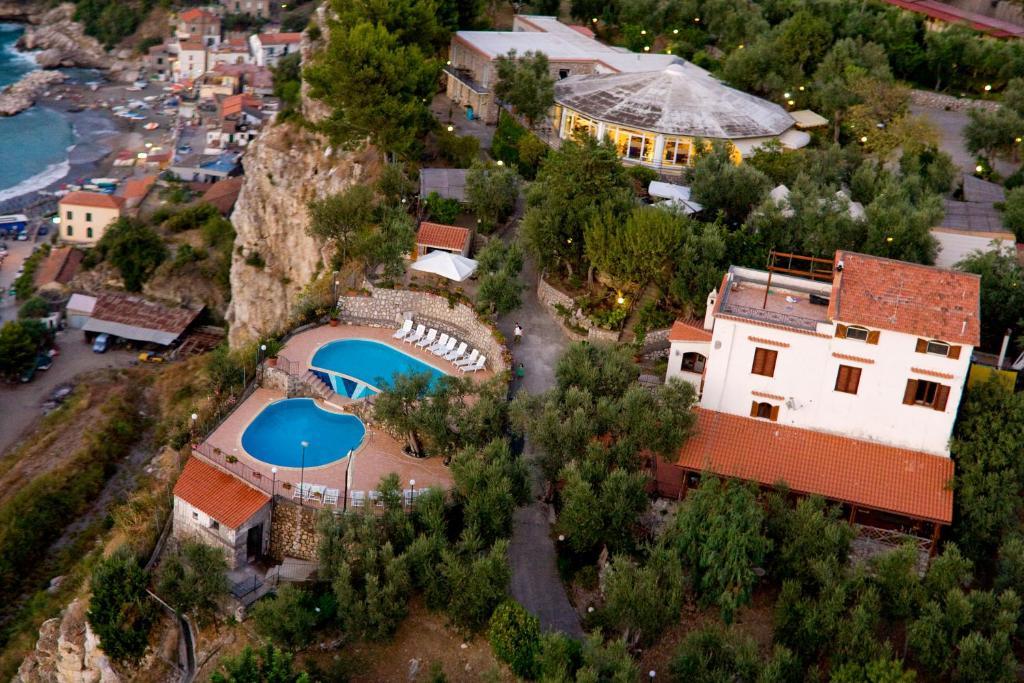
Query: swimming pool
point(275, 436)
point(358, 367)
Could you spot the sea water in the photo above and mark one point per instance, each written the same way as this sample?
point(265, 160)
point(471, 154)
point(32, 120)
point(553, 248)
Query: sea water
point(34, 145)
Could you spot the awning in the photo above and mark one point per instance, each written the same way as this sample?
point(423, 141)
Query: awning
point(132, 332)
point(452, 266)
point(794, 139)
point(805, 118)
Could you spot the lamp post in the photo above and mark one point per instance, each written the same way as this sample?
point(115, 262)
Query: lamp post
point(651, 674)
point(273, 481)
point(412, 491)
point(263, 353)
point(192, 429)
point(302, 473)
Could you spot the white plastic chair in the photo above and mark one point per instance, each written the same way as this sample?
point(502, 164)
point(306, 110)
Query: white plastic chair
point(417, 335)
point(375, 499)
point(479, 365)
point(403, 331)
point(447, 348)
point(331, 497)
point(457, 353)
point(428, 340)
point(468, 360)
point(442, 340)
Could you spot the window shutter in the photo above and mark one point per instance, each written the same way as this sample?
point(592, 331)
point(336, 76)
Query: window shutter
point(841, 378)
point(954, 352)
point(769, 362)
point(922, 345)
point(873, 336)
point(758, 366)
point(854, 380)
point(775, 413)
point(908, 395)
point(941, 396)
point(841, 331)
point(753, 409)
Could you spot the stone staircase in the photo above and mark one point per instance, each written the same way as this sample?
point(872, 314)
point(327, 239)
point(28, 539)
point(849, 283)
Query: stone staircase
point(321, 389)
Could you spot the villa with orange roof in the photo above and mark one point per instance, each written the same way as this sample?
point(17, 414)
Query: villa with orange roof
point(85, 216)
point(840, 378)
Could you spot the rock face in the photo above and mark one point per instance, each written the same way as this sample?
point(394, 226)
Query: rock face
point(61, 41)
point(22, 95)
point(67, 652)
point(285, 168)
point(18, 10)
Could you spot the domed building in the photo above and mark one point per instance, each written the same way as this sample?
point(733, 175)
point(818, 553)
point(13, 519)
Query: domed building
point(655, 117)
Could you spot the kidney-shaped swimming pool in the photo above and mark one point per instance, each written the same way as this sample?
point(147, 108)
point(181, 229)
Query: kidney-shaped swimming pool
point(275, 436)
point(356, 367)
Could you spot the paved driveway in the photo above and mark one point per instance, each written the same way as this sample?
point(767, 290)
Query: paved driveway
point(20, 403)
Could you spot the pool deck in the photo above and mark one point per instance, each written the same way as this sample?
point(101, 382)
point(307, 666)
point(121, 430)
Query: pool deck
point(378, 455)
point(301, 348)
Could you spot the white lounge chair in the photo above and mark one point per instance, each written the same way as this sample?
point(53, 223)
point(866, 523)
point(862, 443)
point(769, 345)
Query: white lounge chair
point(447, 348)
point(331, 497)
point(457, 353)
point(297, 492)
point(403, 331)
point(442, 340)
point(417, 335)
point(468, 360)
point(478, 365)
point(428, 340)
point(314, 491)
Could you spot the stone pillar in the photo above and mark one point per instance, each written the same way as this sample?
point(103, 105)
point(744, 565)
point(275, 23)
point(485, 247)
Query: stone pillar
point(659, 150)
point(600, 130)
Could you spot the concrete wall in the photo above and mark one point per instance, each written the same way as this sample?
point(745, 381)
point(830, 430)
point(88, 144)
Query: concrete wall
point(192, 523)
point(675, 362)
point(387, 308)
point(293, 533)
point(803, 385)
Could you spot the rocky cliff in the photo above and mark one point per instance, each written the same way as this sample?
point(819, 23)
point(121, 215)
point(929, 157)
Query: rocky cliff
point(67, 652)
point(274, 257)
point(61, 41)
point(19, 96)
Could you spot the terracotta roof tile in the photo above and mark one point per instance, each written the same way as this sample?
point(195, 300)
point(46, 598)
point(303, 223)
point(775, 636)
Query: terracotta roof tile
point(907, 297)
point(218, 494)
point(136, 188)
point(688, 331)
point(224, 193)
point(197, 13)
point(93, 199)
point(441, 236)
point(865, 473)
point(60, 266)
point(279, 38)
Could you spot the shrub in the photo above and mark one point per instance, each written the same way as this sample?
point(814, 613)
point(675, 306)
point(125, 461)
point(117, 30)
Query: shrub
point(515, 638)
point(271, 665)
point(120, 612)
point(288, 618)
point(192, 578)
point(442, 209)
point(36, 307)
point(458, 150)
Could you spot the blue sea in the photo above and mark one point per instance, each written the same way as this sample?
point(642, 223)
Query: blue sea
point(35, 144)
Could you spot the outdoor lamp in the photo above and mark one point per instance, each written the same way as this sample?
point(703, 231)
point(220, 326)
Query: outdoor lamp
point(502, 163)
point(988, 88)
point(1017, 140)
point(741, 46)
point(979, 168)
point(194, 417)
point(643, 32)
point(55, 220)
point(696, 20)
point(594, 20)
point(621, 300)
point(449, 62)
point(263, 347)
point(801, 88)
point(647, 48)
point(791, 102)
point(651, 674)
point(863, 138)
point(888, 239)
point(675, 32)
point(786, 95)
point(450, 128)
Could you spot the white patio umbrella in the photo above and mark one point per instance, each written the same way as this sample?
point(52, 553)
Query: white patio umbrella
point(452, 266)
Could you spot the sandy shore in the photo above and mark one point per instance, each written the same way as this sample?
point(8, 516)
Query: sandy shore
point(99, 135)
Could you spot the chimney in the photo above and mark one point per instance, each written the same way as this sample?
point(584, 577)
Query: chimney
point(709, 316)
point(1002, 350)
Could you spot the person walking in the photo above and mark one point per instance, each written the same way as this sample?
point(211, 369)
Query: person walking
point(520, 371)
point(518, 334)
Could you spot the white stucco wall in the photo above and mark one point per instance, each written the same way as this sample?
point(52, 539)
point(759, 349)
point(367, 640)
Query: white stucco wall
point(677, 350)
point(805, 377)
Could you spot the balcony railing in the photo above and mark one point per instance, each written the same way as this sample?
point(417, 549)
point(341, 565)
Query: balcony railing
point(767, 316)
point(465, 77)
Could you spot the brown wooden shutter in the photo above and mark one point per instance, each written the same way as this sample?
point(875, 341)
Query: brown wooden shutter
point(841, 378)
point(853, 382)
point(922, 345)
point(841, 331)
point(758, 367)
point(941, 396)
point(775, 413)
point(908, 395)
point(769, 362)
point(753, 409)
point(873, 336)
point(954, 352)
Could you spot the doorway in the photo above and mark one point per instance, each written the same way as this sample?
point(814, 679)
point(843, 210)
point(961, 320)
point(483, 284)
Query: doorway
point(254, 542)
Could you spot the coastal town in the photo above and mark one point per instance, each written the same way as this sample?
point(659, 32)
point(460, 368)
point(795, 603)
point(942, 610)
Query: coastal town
point(426, 340)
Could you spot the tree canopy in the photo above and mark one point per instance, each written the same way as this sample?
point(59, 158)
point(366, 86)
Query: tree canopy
point(525, 82)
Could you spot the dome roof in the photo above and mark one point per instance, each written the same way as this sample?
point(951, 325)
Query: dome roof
point(681, 99)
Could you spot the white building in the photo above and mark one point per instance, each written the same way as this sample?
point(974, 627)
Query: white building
point(191, 61)
point(881, 352)
point(268, 48)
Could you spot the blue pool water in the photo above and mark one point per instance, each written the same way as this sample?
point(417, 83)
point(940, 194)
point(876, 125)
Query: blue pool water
point(357, 367)
point(276, 435)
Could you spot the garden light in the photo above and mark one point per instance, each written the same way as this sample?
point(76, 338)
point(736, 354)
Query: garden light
point(675, 32)
point(988, 88)
point(647, 48)
point(979, 168)
point(786, 95)
point(451, 128)
point(863, 138)
point(594, 20)
point(500, 162)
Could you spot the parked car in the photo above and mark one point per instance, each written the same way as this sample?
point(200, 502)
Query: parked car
point(43, 231)
point(150, 357)
point(43, 362)
point(101, 343)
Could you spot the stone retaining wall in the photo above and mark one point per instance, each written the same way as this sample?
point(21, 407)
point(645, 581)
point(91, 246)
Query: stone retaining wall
point(293, 531)
point(551, 297)
point(656, 344)
point(934, 100)
point(387, 308)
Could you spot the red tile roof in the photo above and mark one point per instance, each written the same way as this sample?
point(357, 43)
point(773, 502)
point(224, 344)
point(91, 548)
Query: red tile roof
point(218, 494)
point(196, 13)
point(96, 200)
point(60, 266)
point(234, 104)
point(441, 236)
point(224, 193)
point(191, 45)
point(907, 297)
point(137, 188)
point(279, 38)
point(864, 473)
point(688, 331)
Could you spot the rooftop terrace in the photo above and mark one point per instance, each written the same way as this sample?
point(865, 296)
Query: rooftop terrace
point(787, 301)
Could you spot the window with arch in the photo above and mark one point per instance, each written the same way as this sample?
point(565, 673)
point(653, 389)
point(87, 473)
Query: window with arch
point(764, 410)
point(693, 362)
point(88, 232)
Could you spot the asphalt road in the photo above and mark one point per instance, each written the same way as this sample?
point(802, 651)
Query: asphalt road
point(20, 404)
